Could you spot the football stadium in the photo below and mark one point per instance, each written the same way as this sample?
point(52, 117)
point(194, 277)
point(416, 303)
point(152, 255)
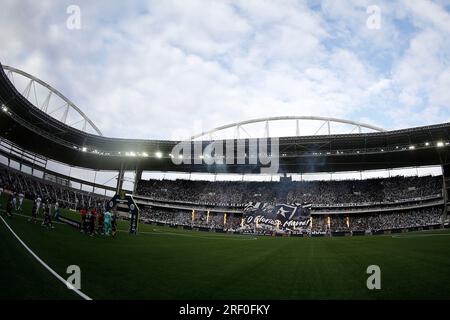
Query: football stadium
point(309, 207)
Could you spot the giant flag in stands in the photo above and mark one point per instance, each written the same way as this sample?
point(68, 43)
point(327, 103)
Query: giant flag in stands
point(281, 216)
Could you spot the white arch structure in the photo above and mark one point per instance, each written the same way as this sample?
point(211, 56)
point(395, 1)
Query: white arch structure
point(65, 105)
point(325, 121)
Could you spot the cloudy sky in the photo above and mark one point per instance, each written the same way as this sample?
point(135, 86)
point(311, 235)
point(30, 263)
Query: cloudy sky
point(164, 69)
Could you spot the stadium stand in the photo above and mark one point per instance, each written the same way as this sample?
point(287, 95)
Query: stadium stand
point(373, 222)
point(235, 194)
point(371, 205)
point(347, 206)
point(33, 187)
point(29, 134)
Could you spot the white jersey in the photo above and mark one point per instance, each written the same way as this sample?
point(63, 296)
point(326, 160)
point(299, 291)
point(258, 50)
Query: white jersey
point(21, 196)
point(38, 204)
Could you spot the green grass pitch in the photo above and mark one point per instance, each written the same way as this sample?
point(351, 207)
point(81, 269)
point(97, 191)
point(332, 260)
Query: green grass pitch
point(167, 263)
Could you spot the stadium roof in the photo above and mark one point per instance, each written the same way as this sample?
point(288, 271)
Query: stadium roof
point(34, 130)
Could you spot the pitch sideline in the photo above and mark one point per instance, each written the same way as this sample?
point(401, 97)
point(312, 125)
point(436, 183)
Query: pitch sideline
point(81, 294)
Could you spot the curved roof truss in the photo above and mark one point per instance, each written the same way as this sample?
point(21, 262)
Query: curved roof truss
point(64, 106)
point(359, 126)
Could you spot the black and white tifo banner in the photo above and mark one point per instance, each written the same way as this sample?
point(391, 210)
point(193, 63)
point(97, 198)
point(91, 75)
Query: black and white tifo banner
point(287, 217)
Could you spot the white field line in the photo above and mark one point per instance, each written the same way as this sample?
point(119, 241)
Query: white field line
point(69, 285)
point(38, 219)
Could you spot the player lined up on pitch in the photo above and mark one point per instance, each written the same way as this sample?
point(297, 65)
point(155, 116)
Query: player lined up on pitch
point(47, 209)
point(14, 202)
point(106, 222)
point(93, 221)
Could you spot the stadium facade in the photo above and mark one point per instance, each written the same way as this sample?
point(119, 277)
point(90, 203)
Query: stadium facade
point(30, 136)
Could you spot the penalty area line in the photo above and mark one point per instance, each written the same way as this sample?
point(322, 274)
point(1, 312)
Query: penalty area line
point(81, 294)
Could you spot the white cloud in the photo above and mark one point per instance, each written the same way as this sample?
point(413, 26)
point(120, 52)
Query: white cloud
point(170, 69)
point(426, 12)
point(421, 77)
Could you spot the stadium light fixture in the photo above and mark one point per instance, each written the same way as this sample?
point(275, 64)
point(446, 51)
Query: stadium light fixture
point(180, 156)
point(158, 154)
point(439, 144)
point(4, 108)
point(427, 144)
point(144, 154)
point(411, 147)
point(84, 149)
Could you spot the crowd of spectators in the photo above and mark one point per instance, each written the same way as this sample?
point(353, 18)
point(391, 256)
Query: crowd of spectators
point(377, 221)
point(33, 187)
point(320, 224)
point(238, 193)
point(398, 220)
point(197, 219)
